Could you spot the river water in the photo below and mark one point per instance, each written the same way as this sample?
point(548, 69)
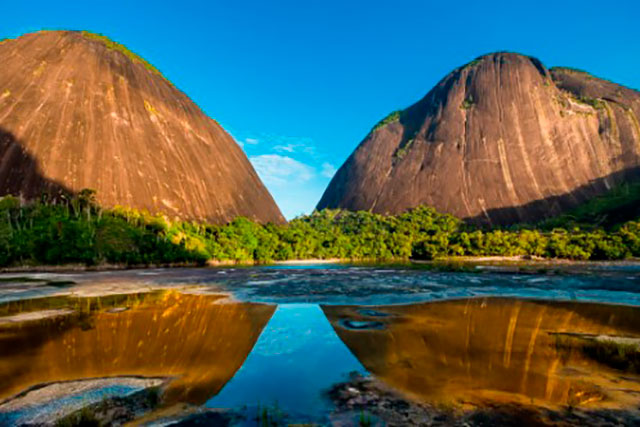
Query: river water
point(322, 344)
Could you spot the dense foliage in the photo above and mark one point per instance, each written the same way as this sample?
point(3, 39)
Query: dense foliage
point(620, 204)
point(78, 231)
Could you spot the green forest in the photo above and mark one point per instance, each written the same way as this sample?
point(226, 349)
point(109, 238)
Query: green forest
point(78, 231)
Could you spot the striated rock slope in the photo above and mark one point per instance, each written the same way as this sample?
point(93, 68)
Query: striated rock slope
point(79, 111)
point(499, 140)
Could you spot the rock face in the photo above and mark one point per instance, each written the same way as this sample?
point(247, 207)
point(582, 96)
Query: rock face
point(499, 140)
point(78, 111)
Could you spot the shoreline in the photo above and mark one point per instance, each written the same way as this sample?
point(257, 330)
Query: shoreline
point(312, 261)
point(523, 260)
point(454, 260)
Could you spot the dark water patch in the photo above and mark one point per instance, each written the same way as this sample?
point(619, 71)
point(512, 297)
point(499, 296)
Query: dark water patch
point(56, 283)
point(19, 279)
point(373, 313)
point(214, 418)
point(60, 283)
point(361, 324)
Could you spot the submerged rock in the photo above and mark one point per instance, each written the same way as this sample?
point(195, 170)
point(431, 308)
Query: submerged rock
point(361, 324)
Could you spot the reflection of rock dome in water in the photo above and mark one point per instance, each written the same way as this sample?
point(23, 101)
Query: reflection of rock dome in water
point(198, 343)
point(494, 349)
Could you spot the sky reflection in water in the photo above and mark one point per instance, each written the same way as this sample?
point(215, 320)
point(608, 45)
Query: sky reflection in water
point(297, 358)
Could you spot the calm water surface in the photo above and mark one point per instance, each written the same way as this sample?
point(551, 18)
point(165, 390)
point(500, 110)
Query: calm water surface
point(274, 345)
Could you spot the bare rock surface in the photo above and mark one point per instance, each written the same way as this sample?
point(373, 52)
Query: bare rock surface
point(367, 401)
point(44, 404)
point(76, 112)
point(497, 141)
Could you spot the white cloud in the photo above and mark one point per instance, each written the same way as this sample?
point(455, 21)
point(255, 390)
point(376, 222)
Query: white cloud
point(290, 144)
point(289, 148)
point(291, 168)
point(328, 170)
point(275, 169)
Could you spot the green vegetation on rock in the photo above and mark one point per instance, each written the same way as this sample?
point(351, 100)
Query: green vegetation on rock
point(596, 103)
point(393, 117)
point(403, 149)
point(570, 70)
point(111, 45)
point(473, 63)
point(467, 103)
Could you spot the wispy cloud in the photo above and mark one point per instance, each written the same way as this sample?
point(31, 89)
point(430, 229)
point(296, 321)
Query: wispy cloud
point(294, 169)
point(289, 148)
point(301, 146)
point(291, 144)
point(243, 142)
point(328, 170)
point(275, 169)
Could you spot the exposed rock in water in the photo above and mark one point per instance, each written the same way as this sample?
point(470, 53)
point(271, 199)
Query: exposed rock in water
point(499, 140)
point(79, 111)
point(71, 402)
point(113, 411)
point(368, 401)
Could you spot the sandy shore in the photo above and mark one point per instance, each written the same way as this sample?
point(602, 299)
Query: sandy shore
point(311, 261)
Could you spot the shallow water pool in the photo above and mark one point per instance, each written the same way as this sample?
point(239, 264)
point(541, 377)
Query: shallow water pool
point(341, 345)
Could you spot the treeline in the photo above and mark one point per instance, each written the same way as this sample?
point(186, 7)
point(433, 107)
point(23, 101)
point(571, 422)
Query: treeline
point(79, 231)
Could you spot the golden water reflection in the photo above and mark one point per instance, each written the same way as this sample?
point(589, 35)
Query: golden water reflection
point(493, 350)
point(194, 339)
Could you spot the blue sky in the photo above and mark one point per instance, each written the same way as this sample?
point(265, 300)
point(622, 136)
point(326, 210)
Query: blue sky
point(300, 83)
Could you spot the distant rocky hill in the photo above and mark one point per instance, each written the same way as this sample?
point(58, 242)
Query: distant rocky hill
point(80, 111)
point(500, 140)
